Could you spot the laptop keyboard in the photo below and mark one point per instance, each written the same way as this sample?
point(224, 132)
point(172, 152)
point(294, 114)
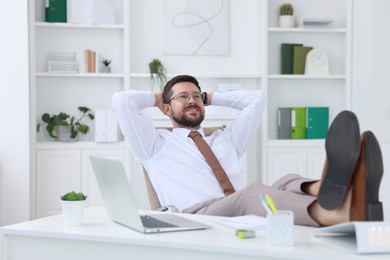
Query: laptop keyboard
point(150, 222)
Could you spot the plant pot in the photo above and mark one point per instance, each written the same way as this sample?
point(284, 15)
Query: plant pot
point(105, 70)
point(287, 21)
point(72, 212)
point(64, 134)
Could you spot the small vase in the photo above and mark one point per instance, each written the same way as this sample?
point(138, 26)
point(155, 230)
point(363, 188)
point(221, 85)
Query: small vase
point(72, 212)
point(105, 70)
point(64, 134)
point(287, 21)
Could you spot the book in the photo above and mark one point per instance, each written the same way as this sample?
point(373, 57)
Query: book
point(360, 237)
point(317, 122)
point(55, 11)
point(287, 55)
point(284, 123)
point(298, 123)
point(299, 58)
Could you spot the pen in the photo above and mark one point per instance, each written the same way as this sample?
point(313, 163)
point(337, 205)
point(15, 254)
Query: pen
point(264, 203)
point(271, 204)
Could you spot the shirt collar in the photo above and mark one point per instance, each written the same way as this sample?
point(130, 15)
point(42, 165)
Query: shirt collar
point(184, 132)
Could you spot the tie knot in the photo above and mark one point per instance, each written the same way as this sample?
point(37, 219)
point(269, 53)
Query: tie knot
point(192, 134)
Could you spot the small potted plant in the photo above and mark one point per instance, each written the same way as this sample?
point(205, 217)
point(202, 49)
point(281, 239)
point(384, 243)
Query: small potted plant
point(64, 127)
point(157, 74)
point(286, 18)
point(106, 66)
point(72, 204)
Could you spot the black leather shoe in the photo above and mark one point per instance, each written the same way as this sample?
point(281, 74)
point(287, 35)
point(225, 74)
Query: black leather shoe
point(365, 204)
point(342, 146)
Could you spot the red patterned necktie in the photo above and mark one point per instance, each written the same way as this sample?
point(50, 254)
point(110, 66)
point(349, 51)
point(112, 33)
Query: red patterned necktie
point(213, 162)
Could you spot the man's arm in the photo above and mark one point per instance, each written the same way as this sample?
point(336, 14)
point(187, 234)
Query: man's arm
point(138, 130)
point(246, 124)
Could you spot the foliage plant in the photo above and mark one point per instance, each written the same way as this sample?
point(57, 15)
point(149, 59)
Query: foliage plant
point(286, 9)
point(63, 119)
point(73, 196)
point(158, 73)
point(106, 62)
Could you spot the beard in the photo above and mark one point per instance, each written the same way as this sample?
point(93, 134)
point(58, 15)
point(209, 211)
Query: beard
point(183, 120)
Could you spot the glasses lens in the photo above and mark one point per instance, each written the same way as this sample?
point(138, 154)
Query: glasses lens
point(183, 97)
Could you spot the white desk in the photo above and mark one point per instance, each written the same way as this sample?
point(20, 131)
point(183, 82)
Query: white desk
point(99, 238)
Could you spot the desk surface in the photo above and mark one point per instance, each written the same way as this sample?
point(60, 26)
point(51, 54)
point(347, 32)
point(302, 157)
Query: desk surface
point(98, 230)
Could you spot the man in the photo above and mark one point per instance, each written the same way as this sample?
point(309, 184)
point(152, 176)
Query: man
point(182, 177)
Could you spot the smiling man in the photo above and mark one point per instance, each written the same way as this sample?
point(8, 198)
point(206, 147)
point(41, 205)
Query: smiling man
point(211, 182)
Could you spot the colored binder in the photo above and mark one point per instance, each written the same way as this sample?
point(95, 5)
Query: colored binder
point(284, 123)
point(298, 123)
point(299, 59)
point(287, 56)
point(317, 122)
point(55, 11)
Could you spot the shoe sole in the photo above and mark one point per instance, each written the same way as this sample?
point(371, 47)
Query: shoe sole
point(342, 150)
point(373, 210)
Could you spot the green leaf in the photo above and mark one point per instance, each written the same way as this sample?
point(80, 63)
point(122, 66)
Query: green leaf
point(73, 196)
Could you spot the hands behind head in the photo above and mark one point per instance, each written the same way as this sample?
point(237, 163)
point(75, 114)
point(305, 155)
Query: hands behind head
point(159, 101)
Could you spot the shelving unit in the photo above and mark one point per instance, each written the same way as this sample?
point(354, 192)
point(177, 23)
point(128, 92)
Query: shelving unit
point(57, 168)
point(137, 38)
point(305, 157)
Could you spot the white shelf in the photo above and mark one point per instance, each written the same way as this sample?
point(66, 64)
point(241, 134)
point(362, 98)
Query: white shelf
point(53, 145)
point(296, 143)
point(307, 30)
point(79, 26)
point(204, 76)
point(308, 77)
point(79, 75)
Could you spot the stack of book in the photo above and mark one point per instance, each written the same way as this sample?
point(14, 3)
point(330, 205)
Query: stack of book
point(293, 58)
point(88, 61)
point(303, 122)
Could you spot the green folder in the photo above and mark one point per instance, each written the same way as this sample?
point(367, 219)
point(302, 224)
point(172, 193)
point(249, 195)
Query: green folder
point(298, 123)
point(55, 11)
point(287, 55)
point(317, 122)
point(299, 59)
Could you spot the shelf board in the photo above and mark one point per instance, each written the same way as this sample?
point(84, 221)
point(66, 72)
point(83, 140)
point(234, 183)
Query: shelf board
point(204, 76)
point(302, 76)
point(306, 30)
point(295, 143)
point(79, 26)
point(79, 75)
point(53, 145)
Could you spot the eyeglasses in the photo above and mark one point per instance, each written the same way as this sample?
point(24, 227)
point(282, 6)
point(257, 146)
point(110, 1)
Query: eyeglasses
point(185, 97)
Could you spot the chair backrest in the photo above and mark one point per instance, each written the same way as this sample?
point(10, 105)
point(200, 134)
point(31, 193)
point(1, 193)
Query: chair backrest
point(153, 201)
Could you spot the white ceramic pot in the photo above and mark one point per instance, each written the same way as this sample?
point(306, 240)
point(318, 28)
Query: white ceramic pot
point(72, 212)
point(64, 134)
point(287, 21)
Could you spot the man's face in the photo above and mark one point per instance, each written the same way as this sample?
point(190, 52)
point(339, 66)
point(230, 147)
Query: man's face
point(186, 109)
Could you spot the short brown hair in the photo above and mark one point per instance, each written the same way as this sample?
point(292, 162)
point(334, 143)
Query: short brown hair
point(167, 93)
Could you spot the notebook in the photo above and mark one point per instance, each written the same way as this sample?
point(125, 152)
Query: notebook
point(362, 237)
point(120, 205)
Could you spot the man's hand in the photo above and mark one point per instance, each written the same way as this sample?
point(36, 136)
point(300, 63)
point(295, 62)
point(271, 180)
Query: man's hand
point(159, 101)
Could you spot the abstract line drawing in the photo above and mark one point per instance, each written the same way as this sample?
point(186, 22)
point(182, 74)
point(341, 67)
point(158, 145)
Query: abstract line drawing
point(196, 27)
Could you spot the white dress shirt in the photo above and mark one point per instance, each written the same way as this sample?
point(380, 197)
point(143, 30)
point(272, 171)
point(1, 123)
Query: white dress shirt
point(178, 171)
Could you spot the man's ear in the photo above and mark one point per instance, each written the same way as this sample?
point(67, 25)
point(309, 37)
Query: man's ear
point(167, 110)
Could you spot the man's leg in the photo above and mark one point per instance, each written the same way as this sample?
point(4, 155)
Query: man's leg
point(247, 201)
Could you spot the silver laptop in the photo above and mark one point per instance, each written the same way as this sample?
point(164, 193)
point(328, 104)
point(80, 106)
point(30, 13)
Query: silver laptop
point(120, 205)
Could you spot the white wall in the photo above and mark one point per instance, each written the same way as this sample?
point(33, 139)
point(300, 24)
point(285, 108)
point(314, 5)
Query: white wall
point(371, 78)
point(14, 113)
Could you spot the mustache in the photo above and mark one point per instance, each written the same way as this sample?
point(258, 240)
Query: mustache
point(192, 106)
